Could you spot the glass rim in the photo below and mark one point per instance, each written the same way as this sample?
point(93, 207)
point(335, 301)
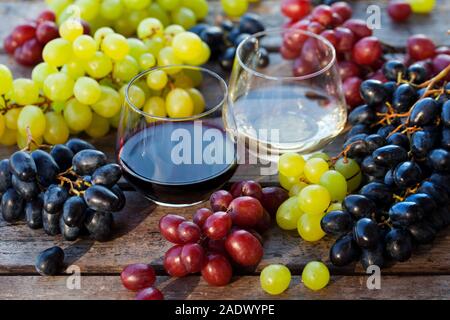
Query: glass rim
point(281, 78)
point(181, 66)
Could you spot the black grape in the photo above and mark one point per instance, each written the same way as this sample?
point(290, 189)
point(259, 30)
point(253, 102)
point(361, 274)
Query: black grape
point(378, 192)
point(100, 198)
point(121, 196)
point(54, 198)
point(359, 206)
point(403, 214)
point(422, 232)
point(398, 245)
point(373, 92)
point(63, 156)
point(50, 262)
point(440, 160)
point(22, 165)
point(389, 155)
point(74, 211)
point(436, 192)
point(69, 233)
point(107, 175)
point(27, 190)
point(374, 141)
point(357, 129)
point(445, 139)
point(337, 223)
point(392, 69)
point(445, 114)
point(421, 143)
point(407, 174)
point(425, 112)
point(362, 114)
point(369, 167)
point(5, 176)
point(385, 131)
point(442, 180)
point(47, 168)
point(373, 257)
point(424, 201)
point(356, 146)
point(33, 212)
point(77, 145)
point(99, 225)
point(226, 59)
point(86, 162)
point(399, 139)
point(344, 251)
point(250, 23)
point(404, 97)
point(50, 222)
point(417, 73)
point(366, 233)
point(12, 206)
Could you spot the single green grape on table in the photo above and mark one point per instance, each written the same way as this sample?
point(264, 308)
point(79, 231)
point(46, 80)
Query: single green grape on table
point(275, 279)
point(315, 275)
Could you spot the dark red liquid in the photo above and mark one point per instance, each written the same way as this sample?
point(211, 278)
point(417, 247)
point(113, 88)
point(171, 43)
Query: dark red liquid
point(173, 163)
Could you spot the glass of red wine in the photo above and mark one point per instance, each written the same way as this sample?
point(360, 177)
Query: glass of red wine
point(172, 144)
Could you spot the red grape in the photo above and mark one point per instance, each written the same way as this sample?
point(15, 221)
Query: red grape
point(358, 27)
point(351, 91)
point(288, 54)
point(330, 35)
point(245, 211)
point(188, 232)
point(168, 226)
point(30, 53)
point(345, 39)
point(322, 14)
point(86, 27)
point(295, 9)
point(47, 31)
point(302, 67)
point(252, 189)
point(420, 47)
point(138, 276)
point(236, 189)
point(220, 200)
point(201, 215)
point(348, 69)
point(315, 27)
point(217, 246)
point(377, 75)
point(367, 51)
point(336, 20)
point(46, 15)
point(343, 9)
point(192, 256)
point(10, 44)
point(440, 62)
point(272, 198)
point(173, 264)
point(264, 224)
point(149, 294)
point(217, 226)
point(244, 248)
point(23, 33)
point(293, 40)
point(399, 10)
point(217, 270)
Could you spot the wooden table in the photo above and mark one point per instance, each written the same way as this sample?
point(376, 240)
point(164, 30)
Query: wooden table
point(425, 276)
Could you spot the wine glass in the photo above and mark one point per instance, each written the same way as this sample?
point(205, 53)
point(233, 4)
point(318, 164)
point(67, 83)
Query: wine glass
point(176, 152)
point(294, 103)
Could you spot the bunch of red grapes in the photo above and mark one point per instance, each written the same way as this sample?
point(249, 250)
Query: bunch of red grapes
point(224, 237)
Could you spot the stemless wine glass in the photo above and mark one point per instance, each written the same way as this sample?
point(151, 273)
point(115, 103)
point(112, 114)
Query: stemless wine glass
point(293, 104)
point(176, 161)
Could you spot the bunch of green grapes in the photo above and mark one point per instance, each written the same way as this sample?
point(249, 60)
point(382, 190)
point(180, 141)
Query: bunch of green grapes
point(80, 86)
point(315, 188)
point(124, 16)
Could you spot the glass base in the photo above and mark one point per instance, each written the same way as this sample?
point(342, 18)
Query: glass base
point(177, 205)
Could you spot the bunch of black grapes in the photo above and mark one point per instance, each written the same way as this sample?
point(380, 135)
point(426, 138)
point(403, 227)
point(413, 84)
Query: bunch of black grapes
point(70, 190)
point(224, 39)
point(401, 139)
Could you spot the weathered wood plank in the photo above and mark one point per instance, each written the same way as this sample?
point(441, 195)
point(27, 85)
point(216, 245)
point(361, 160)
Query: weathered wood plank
point(246, 288)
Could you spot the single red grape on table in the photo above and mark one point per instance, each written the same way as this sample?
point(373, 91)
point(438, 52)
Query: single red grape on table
point(399, 10)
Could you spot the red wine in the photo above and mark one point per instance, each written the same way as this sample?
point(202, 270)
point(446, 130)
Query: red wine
point(178, 163)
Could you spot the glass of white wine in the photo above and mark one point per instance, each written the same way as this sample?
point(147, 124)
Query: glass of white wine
point(293, 104)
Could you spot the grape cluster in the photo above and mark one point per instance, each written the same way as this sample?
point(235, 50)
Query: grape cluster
point(70, 190)
point(404, 156)
point(227, 235)
point(224, 39)
point(141, 277)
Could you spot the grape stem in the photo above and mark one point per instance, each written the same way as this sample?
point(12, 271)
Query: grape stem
point(78, 183)
point(31, 141)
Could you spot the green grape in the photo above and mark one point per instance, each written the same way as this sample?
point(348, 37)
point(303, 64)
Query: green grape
point(114, 121)
point(147, 61)
point(137, 48)
point(2, 124)
point(126, 69)
point(6, 79)
point(154, 45)
point(234, 8)
point(149, 28)
point(184, 17)
point(171, 31)
point(166, 57)
point(124, 27)
point(136, 4)
point(134, 18)
point(58, 6)
point(135, 94)
point(57, 52)
point(58, 106)
point(22, 142)
point(75, 68)
point(84, 47)
point(25, 91)
point(157, 80)
point(70, 29)
point(334, 206)
point(288, 214)
point(275, 279)
point(9, 137)
point(335, 183)
point(99, 66)
point(422, 6)
point(111, 9)
point(309, 228)
point(99, 127)
point(159, 13)
point(195, 75)
point(142, 84)
point(199, 7)
point(115, 46)
point(179, 104)
point(315, 275)
point(168, 5)
point(87, 90)
point(32, 118)
point(101, 33)
point(321, 155)
point(109, 103)
point(187, 44)
point(314, 168)
point(58, 86)
point(11, 117)
point(296, 188)
point(288, 182)
point(41, 72)
point(205, 53)
point(314, 199)
point(181, 80)
point(56, 131)
point(291, 164)
point(155, 106)
point(89, 9)
point(350, 169)
point(78, 116)
point(197, 99)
